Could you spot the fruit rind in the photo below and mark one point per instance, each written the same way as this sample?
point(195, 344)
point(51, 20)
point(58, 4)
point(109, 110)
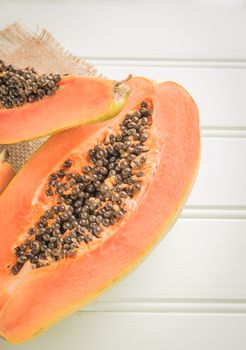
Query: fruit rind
point(170, 199)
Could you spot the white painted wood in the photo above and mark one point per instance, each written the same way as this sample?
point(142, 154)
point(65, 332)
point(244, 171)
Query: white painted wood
point(145, 331)
point(221, 179)
point(190, 293)
point(199, 259)
point(171, 306)
point(132, 28)
point(213, 212)
point(219, 93)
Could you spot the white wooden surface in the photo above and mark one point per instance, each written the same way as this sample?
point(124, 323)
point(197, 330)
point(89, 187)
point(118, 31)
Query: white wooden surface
point(191, 292)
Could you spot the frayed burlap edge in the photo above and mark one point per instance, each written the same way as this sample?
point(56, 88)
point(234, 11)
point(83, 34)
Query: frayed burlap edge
point(22, 47)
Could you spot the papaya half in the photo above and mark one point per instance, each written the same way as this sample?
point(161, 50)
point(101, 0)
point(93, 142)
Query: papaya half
point(91, 204)
point(79, 100)
point(6, 171)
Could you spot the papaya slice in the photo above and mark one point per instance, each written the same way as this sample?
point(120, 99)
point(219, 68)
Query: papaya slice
point(153, 147)
point(6, 171)
point(79, 100)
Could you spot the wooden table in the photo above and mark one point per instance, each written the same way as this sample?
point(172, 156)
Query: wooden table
point(191, 292)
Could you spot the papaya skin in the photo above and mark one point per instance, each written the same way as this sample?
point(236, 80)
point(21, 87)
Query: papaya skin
point(6, 171)
point(177, 123)
point(78, 101)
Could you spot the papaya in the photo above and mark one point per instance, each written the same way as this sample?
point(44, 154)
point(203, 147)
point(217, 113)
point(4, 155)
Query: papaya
point(91, 204)
point(79, 100)
point(6, 171)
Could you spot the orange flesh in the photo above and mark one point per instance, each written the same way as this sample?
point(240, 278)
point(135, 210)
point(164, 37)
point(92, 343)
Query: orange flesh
point(79, 100)
point(49, 293)
point(79, 158)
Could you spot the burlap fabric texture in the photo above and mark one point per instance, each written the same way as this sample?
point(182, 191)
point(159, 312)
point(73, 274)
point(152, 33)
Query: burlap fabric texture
point(21, 47)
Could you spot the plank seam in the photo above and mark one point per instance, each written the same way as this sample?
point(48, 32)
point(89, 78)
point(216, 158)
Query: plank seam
point(223, 132)
point(166, 306)
point(213, 212)
point(167, 62)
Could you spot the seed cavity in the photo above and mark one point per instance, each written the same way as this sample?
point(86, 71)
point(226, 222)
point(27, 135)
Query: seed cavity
point(89, 200)
point(20, 86)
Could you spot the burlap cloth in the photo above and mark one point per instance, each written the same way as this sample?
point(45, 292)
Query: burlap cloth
point(21, 47)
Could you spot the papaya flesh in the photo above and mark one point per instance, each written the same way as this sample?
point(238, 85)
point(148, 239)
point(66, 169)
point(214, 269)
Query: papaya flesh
point(79, 100)
point(35, 299)
point(6, 171)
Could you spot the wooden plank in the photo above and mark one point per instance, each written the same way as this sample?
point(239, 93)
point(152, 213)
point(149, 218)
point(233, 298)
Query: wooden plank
point(108, 331)
point(199, 259)
point(191, 292)
point(139, 29)
point(222, 173)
